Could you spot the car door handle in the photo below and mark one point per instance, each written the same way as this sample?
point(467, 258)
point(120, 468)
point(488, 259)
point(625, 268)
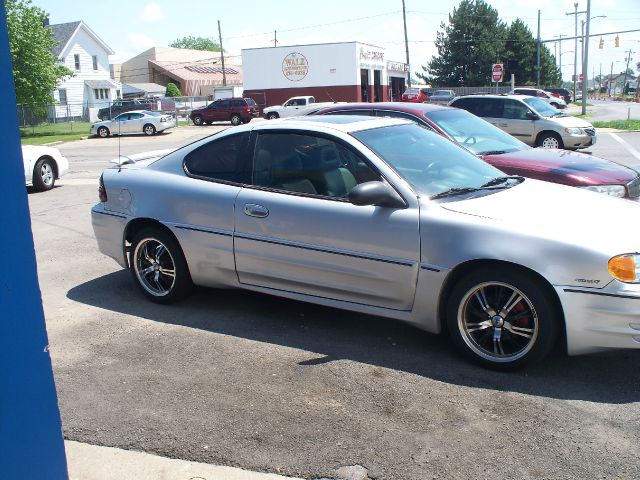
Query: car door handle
point(255, 210)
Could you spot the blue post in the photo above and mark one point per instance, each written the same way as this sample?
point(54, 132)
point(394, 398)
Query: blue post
point(31, 443)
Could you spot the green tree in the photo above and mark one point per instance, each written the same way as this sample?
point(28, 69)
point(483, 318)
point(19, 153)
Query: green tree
point(36, 72)
point(467, 46)
point(172, 90)
point(196, 43)
point(475, 38)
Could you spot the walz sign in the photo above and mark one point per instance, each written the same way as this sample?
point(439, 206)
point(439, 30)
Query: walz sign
point(497, 72)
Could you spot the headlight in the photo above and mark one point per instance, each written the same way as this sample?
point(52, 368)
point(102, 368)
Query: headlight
point(613, 190)
point(626, 268)
point(573, 131)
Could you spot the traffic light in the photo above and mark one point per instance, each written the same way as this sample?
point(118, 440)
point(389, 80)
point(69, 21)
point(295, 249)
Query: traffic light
point(601, 45)
point(617, 42)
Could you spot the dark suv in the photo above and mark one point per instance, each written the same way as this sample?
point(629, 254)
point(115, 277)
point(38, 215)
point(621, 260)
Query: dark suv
point(121, 106)
point(234, 110)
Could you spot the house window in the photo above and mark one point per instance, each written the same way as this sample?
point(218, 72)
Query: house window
point(95, 62)
point(117, 93)
point(96, 92)
point(76, 59)
point(62, 94)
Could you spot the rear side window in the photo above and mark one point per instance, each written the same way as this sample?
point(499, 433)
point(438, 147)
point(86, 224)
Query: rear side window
point(224, 104)
point(237, 103)
point(221, 159)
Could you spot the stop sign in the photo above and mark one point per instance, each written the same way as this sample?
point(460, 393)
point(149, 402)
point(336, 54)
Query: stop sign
point(497, 71)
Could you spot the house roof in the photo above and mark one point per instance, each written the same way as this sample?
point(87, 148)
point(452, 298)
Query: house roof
point(193, 75)
point(63, 32)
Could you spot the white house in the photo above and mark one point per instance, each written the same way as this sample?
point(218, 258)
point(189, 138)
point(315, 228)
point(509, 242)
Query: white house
point(91, 87)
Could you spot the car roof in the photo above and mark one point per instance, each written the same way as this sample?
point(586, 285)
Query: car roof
point(495, 95)
point(416, 108)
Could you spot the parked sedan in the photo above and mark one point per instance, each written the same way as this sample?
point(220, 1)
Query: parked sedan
point(132, 123)
point(505, 151)
point(43, 166)
point(442, 96)
point(384, 217)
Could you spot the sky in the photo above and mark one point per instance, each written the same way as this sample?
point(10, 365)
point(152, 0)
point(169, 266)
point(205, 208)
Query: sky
point(130, 27)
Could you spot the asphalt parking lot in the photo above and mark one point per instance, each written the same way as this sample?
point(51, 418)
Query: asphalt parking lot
point(244, 379)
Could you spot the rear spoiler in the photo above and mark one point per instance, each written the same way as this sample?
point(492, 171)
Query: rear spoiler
point(138, 157)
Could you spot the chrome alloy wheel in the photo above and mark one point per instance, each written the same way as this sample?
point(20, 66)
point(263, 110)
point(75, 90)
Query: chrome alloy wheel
point(46, 173)
point(498, 322)
point(154, 267)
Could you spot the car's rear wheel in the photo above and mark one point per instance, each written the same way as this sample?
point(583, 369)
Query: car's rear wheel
point(198, 120)
point(236, 119)
point(159, 267)
point(549, 140)
point(502, 318)
point(44, 175)
point(272, 116)
point(103, 132)
point(149, 129)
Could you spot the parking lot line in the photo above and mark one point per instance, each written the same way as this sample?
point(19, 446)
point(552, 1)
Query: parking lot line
point(629, 148)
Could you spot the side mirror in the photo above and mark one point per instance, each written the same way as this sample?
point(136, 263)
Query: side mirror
point(376, 193)
point(532, 116)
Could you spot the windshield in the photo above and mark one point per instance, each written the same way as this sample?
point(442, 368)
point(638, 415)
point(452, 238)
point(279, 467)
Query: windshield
point(429, 162)
point(474, 133)
point(411, 91)
point(443, 93)
point(542, 107)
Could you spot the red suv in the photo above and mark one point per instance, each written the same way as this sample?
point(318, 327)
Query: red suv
point(234, 110)
point(416, 95)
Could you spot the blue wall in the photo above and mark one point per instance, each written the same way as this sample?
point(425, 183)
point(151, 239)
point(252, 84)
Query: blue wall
point(31, 444)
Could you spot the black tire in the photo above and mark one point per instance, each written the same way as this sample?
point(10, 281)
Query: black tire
point(44, 174)
point(549, 140)
point(272, 116)
point(149, 129)
point(198, 120)
point(555, 105)
point(151, 266)
point(517, 326)
point(208, 122)
point(103, 132)
point(236, 119)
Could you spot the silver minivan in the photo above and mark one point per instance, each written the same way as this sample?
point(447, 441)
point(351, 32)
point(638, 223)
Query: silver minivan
point(531, 120)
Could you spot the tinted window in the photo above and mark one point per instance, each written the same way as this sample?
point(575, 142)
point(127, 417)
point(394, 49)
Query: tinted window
point(224, 104)
point(220, 159)
point(237, 103)
point(358, 111)
point(135, 116)
point(250, 102)
point(121, 118)
point(308, 164)
point(488, 107)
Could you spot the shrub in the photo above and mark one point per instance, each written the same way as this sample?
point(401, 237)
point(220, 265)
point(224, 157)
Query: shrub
point(172, 90)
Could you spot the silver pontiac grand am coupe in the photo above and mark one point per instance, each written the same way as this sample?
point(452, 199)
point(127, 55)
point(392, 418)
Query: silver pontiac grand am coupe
point(384, 217)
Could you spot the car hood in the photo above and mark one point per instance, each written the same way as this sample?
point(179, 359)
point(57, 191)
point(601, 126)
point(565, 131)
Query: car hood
point(105, 123)
point(571, 122)
point(558, 213)
point(562, 166)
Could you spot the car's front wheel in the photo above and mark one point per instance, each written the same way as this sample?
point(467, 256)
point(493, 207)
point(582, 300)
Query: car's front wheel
point(550, 140)
point(502, 318)
point(103, 132)
point(44, 175)
point(159, 267)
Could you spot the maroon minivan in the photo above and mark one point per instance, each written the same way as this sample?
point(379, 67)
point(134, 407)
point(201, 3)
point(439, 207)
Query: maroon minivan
point(234, 110)
point(504, 151)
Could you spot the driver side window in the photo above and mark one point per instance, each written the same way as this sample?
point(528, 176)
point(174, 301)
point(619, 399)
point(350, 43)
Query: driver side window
point(309, 165)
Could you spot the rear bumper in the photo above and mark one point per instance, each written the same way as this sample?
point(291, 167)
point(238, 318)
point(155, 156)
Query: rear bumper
point(108, 227)
point(601, 319)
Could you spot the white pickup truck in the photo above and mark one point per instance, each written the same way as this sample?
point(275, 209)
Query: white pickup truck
point(293, 107)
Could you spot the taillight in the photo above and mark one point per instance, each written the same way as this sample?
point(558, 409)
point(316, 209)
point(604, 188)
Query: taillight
point(247, 109)
point(102, 192)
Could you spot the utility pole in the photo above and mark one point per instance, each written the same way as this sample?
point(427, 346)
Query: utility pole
point(538, 54)
point(559, 58)
point(224, 73)
point(624, 82)
point(610, 79)
point(575, 47)
point(406, 42)
point(585, 61)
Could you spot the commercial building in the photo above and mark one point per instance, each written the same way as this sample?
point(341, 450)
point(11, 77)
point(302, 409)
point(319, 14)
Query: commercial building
point(349, 71)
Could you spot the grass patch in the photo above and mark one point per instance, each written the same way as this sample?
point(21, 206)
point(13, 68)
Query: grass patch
point(586, 115)
point(54, 132)
point(619, 124)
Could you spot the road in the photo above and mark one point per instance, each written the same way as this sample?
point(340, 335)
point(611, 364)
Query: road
point(243, 379)
point(606, 110)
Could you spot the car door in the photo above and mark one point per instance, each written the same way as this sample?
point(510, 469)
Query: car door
point(135, 123)
point(222, 112)
point(295, 230)
point(517, 122)
point(120, 124)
